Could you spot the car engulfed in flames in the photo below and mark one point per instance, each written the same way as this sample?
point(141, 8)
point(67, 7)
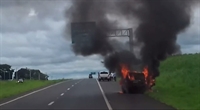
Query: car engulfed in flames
point(135, 82)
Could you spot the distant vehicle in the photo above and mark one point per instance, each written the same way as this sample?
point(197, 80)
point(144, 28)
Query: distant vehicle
point(104, 76)
point(90, 76)
point(114, 76)
point(134, 86)
point(20, 80)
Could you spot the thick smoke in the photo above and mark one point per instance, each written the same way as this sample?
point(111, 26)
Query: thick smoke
point(113, 60)
point(89, 11)
point(160, 21)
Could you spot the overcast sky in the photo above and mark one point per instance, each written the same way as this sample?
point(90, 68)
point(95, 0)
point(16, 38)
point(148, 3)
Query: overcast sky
point(31, 35)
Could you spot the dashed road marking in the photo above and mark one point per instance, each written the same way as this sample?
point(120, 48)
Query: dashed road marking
point(31, 93)
point(104, 96)
point(79, 81)
point(51, 103)
point(72, 85)
point(62, 94)
point(68, 89)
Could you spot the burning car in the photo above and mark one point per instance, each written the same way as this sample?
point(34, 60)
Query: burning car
point(134, 83)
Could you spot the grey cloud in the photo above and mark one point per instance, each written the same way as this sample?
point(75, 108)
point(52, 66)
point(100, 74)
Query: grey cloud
point(37, 60)
point(191, 36)
point(76, 66)
point(43, 38)
point(189, 39)
point(21, 25)
point(45, 8)
point(15, 14)
point(38, 42)
point(190, 48)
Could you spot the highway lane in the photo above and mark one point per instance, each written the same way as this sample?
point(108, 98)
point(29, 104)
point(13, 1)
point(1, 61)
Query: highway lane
point(130, 101)
point(87, 94)
point(41, 99)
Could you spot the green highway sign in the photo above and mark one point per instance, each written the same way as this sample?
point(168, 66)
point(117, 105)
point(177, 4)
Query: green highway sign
point(82, 32)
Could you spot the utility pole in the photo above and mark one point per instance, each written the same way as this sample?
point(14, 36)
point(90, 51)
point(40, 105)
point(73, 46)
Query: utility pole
point(30, 73)
point(16, 74)
point(9, 75)
point(39, 76)
point(4, 75)
point(131, 39)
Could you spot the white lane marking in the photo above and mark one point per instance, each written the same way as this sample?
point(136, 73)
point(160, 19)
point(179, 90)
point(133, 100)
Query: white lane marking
point(72, 85)
point(62, 94)
point(51, 103)
point(79, 81)
point(32, 93)
point(104, 96)
point(68, 89)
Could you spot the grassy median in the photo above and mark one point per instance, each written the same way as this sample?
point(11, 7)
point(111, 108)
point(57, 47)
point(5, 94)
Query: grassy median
point(179, 82)
point(12, 88)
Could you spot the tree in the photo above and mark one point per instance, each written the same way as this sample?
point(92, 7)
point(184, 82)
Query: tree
point(33, 74)
point(22, 73)
point(6, 71)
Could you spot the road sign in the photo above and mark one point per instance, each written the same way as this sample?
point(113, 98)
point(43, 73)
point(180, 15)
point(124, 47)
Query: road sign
point(82, 32)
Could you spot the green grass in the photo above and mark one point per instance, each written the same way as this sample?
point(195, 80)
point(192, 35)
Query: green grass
point(12, 88)
point(179, 82)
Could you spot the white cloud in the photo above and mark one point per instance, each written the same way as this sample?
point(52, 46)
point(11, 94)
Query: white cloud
point(32, 13)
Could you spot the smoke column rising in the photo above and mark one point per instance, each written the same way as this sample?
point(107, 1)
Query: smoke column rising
point(87, 11)
point(160, 21)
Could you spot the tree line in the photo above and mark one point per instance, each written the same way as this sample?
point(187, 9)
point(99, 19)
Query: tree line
point(6, 73)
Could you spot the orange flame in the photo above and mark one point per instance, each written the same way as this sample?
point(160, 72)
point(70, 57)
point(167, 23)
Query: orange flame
point(145, 72)
point(124, 71)
point(148, 79)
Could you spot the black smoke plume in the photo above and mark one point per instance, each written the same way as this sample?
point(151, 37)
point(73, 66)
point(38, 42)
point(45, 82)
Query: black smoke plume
point(113, 60)
point(159, 23)
point(87, 11)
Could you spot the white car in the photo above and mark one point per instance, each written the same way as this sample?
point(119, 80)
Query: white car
point(104, 76)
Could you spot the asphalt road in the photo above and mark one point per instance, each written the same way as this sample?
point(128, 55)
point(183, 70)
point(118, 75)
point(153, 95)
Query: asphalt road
point(83, 94)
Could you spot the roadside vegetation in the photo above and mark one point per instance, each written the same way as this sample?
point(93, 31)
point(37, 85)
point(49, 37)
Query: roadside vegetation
point(12, 88)
point(179, 82)
point(34, 79)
